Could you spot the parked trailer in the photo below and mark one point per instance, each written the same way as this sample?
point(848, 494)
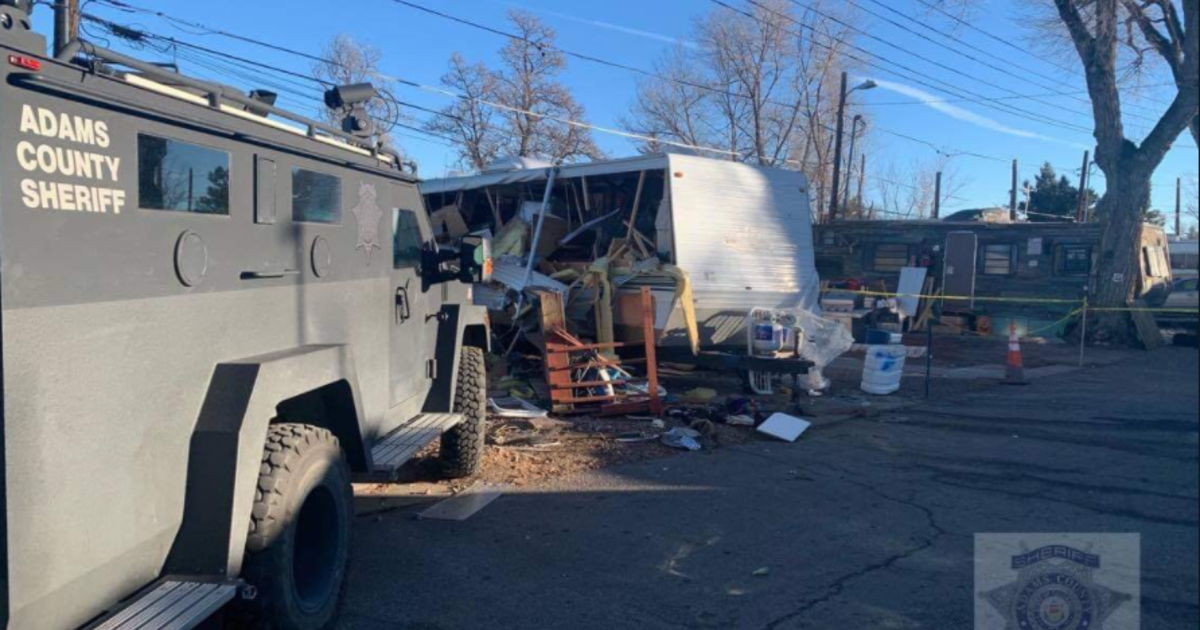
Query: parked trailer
point(215, 314)
point(742, 233)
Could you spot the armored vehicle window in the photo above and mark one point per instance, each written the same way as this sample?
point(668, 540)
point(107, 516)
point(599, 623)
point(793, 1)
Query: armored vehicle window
point(406, 237)
point(181, 177)
point(316, 197)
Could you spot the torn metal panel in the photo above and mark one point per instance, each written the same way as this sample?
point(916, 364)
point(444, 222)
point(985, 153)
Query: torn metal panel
point(510, 272)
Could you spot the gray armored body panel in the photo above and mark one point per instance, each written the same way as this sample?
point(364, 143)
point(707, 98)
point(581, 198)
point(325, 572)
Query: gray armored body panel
point(185, 279)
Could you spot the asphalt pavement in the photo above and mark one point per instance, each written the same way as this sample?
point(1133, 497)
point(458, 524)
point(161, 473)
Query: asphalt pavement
point(865, 524)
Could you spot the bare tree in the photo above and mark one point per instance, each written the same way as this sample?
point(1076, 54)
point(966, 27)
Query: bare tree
point(348, 62)
point(535, 101)
point(520, 110)
point(760, 87)
point(908, 191)
point(470, 120)
point(1160, 26)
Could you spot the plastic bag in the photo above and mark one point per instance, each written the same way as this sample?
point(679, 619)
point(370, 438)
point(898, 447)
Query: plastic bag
point(824, 341)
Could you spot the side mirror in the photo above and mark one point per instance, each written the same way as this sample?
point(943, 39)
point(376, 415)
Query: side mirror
point(475, 259)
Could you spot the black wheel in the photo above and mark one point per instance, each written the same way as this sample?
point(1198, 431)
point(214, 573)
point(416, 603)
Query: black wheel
point(462, 446)
point(299, 543)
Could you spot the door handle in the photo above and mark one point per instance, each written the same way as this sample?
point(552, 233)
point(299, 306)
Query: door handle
point(403, 306)
point(269, 274)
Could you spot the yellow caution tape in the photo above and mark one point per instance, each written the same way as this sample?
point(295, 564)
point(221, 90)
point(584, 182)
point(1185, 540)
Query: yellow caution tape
point(956, 298)
point(1002, 300)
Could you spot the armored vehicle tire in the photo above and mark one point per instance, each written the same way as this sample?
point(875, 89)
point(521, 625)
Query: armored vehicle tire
point(463, 446)
point(299, 542)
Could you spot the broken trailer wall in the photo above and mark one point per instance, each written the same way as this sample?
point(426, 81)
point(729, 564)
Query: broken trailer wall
point(741, 233)
point(744, 235)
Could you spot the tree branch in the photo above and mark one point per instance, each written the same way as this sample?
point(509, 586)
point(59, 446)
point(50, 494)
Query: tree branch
point(1171, 48)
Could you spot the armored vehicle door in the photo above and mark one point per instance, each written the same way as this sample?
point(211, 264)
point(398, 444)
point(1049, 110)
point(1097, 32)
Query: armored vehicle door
point(413, 309)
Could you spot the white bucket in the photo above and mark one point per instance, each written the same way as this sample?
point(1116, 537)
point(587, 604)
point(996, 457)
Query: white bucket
point(884, 370)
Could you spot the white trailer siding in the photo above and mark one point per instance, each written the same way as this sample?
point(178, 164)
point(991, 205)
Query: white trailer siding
point(744, 235)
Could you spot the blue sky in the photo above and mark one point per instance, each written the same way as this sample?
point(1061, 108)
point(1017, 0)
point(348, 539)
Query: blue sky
point(636, 32)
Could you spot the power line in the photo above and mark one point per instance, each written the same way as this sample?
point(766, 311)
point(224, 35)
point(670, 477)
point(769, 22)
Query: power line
point(496, 31)
point(442, 92)
point(1074, 71)
point(125, 6)
point(1010, 109)
point(1001, 69)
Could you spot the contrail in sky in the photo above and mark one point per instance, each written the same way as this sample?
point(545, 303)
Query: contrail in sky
point(667, 39)
point(967, 116)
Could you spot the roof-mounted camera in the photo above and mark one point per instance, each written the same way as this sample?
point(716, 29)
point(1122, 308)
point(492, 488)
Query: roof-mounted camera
point(352, 102)
point(16, 25)
point(18, 6)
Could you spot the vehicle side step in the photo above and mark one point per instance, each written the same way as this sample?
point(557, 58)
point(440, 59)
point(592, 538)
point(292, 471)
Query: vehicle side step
point(171, 604)
point(402, 445)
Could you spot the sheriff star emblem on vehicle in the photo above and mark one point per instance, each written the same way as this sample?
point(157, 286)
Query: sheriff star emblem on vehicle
point(1055, 590)
point(368, 214)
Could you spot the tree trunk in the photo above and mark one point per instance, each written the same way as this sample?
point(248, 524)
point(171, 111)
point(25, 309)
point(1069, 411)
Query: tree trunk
point(1118, 270)
point(1196, 129)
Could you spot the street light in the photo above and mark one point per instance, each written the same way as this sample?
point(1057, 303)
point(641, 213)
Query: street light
point(841, 131)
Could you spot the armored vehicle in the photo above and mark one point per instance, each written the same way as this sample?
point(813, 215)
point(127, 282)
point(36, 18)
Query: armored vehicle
point(216, 315)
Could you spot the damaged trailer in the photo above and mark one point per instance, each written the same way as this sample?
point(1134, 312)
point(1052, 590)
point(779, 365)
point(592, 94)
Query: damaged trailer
point(712, 238)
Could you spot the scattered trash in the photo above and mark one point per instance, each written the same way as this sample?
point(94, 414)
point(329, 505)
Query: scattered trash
point(658, 423)
point(740, 421)
point(683, 439)
point(549, 424)
point(524, 393)
point(763, 572)
point(785, 427)
point(637, 438)
point(704, 426)
point(826, 340)
point(516, 408)
point(465, 505)
point(700, 396)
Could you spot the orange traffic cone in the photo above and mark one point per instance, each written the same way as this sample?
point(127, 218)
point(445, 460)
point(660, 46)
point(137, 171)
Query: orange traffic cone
point(1016, 360)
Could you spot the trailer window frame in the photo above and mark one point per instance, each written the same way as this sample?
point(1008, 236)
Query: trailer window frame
point(1154, 258)
point(336, 213)
point(886, 264)
point(989, 255)
point(1071, 266)
point(143, 180)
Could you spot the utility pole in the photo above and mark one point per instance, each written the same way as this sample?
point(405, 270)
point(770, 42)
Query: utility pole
point(66, 24)
point(1016, 179)
point(837, 148)
point(1081, 212)
point(1179, 207)
point(850, 162)
point(835, 197)
point(937, 198)
point(862, 180)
